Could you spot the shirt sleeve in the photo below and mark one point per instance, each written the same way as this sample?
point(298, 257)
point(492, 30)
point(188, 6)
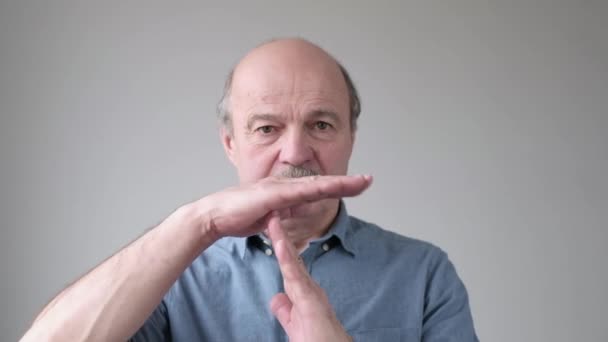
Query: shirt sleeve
point(447, 315)
point(156, 328)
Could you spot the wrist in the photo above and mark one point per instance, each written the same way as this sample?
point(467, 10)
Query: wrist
point(197, 216)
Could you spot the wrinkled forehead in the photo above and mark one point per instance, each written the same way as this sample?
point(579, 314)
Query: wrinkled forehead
point(287, 75)
point(270, 85)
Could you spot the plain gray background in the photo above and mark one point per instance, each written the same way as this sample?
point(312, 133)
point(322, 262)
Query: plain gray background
point(484, 124)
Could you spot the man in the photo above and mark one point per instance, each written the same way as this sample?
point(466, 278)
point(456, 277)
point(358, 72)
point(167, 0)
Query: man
point(278, 256)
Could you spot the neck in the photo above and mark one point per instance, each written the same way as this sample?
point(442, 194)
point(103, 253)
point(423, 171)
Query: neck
point(312, 224)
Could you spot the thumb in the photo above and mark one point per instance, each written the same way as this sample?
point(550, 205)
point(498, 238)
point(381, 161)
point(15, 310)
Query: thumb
point(280, 305)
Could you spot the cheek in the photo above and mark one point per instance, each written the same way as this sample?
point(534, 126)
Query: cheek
point(256, 163)
point(334, 157)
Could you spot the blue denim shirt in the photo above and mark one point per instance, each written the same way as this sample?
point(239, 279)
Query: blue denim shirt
point(383, 287)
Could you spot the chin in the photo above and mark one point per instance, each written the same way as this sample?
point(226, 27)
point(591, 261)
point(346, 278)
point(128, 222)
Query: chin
point(305, 210)
point(311, 210)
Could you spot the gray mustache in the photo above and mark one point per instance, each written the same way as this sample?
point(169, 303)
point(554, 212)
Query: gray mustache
point(297, 172)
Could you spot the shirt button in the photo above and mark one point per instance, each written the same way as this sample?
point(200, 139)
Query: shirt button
point(325, 247)
point(268, 251)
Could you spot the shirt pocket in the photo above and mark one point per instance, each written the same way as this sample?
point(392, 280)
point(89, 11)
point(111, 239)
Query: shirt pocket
point(386, 335)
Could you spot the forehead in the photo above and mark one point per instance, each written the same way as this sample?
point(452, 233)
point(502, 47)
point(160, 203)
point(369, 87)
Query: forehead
point(288, 77)
point(288, 87)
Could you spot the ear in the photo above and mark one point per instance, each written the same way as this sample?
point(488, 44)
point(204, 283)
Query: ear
point(228, 143)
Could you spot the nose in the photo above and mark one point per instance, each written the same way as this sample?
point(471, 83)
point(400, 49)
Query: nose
point(295, 148)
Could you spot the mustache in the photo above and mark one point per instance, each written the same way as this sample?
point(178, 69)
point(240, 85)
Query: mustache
point(297, 172)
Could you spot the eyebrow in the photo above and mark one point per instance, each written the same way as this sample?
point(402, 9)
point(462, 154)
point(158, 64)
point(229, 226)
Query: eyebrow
point(319, 114)
point(315, 114)
point(263, 116)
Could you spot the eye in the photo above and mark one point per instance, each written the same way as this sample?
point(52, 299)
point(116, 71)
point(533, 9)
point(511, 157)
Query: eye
point(265, 129)
point(322, 125)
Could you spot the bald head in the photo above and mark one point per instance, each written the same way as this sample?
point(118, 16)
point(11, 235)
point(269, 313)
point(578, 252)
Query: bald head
point(285, 66)
point(276, 61)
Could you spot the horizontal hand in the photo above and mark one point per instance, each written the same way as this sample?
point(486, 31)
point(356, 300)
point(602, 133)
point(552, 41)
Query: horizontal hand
point(244, 210)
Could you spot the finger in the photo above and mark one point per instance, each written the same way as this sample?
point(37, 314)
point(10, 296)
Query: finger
point(290, 192)
point(297, 280)
point(338, 186)
point(280, 306)
point(348, 180)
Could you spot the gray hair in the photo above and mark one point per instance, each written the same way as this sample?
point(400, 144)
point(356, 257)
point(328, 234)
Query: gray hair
point(223, 106)
point(293, 171)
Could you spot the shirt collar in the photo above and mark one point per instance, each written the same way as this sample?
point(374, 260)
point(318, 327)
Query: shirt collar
point(340, 228)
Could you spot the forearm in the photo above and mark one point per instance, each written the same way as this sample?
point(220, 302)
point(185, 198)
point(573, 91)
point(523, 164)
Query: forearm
point(113, 300)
